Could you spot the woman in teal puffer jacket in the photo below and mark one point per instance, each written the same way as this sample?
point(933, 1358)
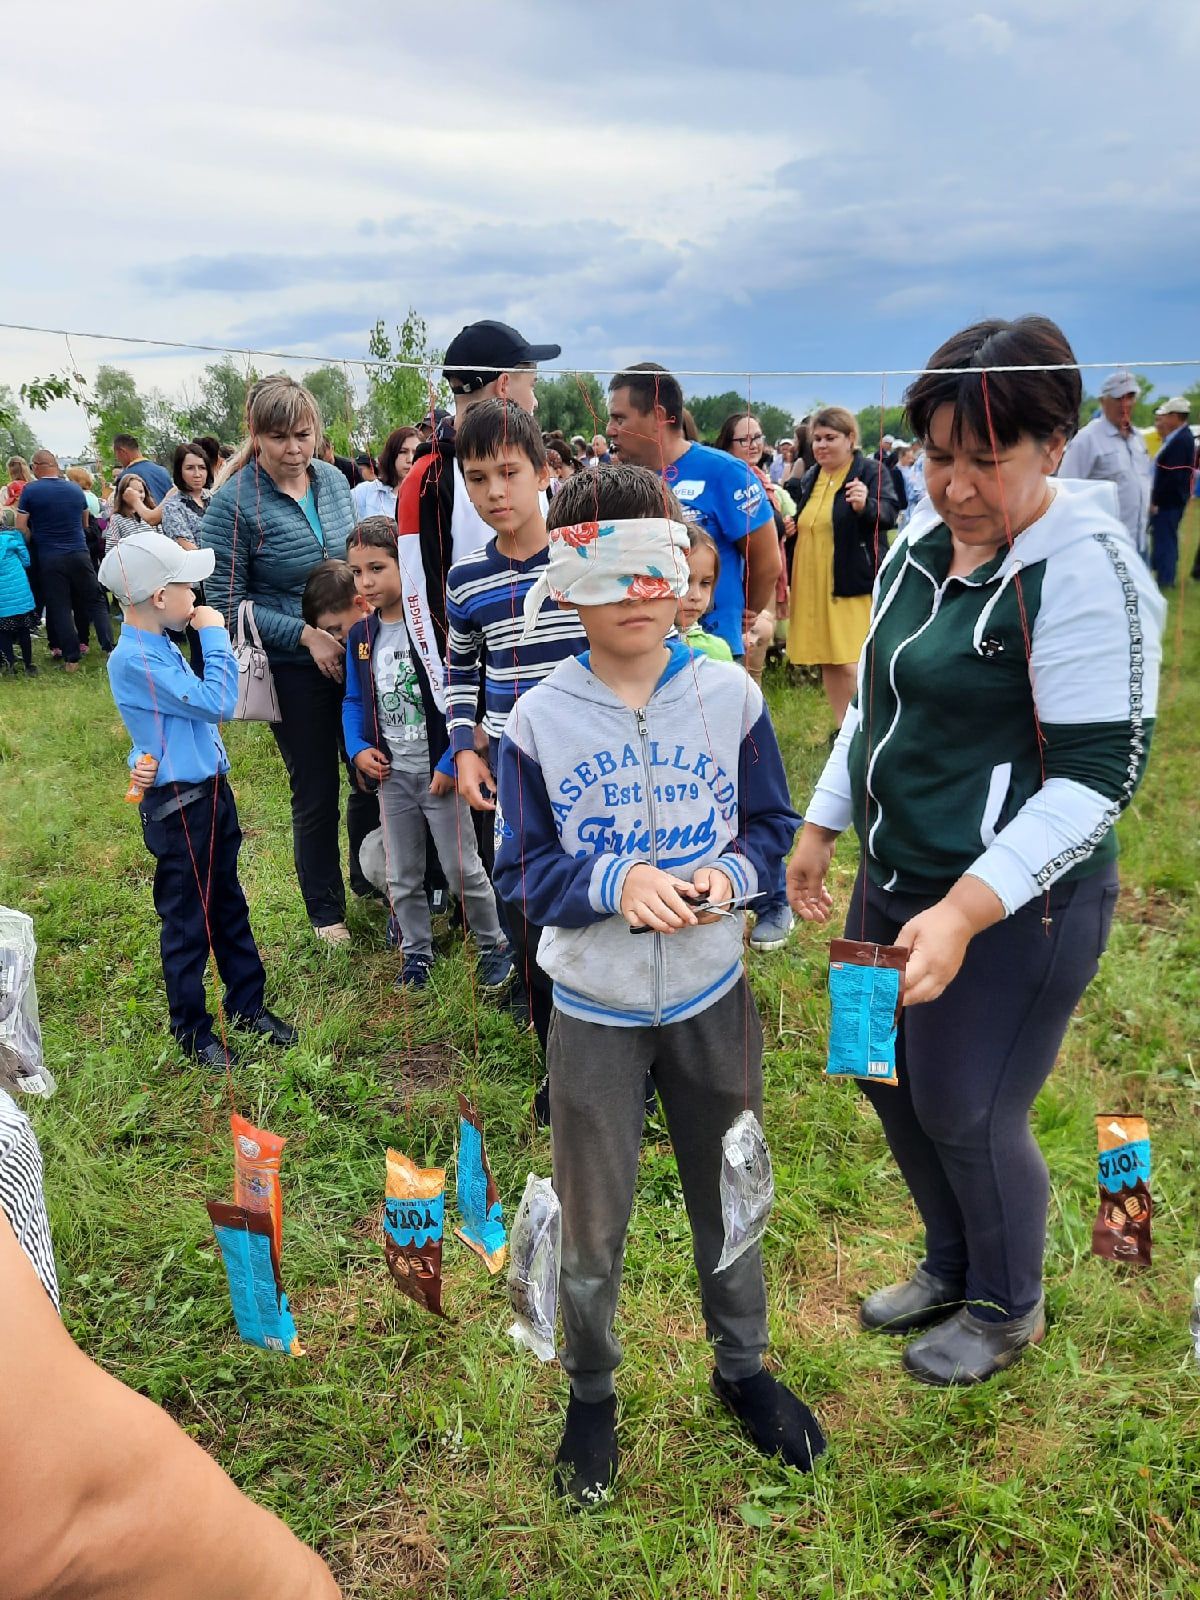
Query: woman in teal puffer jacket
point(278, 514)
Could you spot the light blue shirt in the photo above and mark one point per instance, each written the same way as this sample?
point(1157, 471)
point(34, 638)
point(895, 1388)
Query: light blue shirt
point(170, 713)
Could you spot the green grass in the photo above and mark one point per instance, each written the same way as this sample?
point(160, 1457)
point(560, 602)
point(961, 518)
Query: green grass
point(415, 1454)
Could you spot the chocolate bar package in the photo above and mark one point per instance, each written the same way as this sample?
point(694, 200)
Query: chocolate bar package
point(1122, 1228)
point(256, 1158)
point(413, 1220)
point(866, 995)
point(482, 1226)
point(260, 1307)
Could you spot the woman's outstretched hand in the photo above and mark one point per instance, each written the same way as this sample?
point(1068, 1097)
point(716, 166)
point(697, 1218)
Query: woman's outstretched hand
point(807, 871)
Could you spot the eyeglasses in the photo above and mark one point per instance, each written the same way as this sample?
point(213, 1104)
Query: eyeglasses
point(750, 438)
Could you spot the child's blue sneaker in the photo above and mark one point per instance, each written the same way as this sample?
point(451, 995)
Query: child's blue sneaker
point(415, 972)
point(496, 969)
point(771, 929)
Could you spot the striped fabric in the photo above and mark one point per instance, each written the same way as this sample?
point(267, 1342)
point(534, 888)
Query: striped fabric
point(21, 1197)
point(484, 596)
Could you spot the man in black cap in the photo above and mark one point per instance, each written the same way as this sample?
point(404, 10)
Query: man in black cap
point(438, 524)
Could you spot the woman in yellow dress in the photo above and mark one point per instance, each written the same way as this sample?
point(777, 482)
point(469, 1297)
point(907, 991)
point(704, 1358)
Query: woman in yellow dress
point(845, 506)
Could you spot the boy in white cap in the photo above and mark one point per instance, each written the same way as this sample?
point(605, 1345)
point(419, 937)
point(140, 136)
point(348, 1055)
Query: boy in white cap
point(1110, 449)
point(636, 782)
point(189, 819)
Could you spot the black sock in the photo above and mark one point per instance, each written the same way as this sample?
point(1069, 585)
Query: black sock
point(586, 1463)
point(777, 1421)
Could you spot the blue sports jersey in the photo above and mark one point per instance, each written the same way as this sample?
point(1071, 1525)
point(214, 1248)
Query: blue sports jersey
point(727, 499)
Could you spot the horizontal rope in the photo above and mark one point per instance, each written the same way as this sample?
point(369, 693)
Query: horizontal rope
point(588, 371)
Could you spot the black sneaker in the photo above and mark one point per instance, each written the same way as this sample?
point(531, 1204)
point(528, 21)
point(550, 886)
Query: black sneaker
point(773, 1418)
point(585, 1467)
point(415, 973)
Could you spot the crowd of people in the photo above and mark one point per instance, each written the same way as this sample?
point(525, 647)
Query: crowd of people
point(533, 666)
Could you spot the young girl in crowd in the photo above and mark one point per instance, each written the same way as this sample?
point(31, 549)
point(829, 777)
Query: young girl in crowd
point(131, 499)
point(17, 614)
point(704, 567)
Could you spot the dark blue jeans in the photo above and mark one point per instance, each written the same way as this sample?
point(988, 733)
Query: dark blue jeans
point(201, 907)
point(970, 1066)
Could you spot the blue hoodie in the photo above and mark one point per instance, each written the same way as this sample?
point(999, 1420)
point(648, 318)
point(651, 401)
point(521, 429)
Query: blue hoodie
point(589, 788)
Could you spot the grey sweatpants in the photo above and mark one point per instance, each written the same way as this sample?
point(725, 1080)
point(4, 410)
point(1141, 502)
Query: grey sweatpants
point(707, 1070)
point(404, 798)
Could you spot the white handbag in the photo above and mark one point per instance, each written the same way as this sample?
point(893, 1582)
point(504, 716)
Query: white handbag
point(256, 698)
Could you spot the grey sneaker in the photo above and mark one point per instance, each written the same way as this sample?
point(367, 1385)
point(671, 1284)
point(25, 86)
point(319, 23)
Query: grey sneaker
point(771, 929)
point(965, 1350)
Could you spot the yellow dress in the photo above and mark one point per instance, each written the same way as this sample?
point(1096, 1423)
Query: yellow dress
point(822, 630)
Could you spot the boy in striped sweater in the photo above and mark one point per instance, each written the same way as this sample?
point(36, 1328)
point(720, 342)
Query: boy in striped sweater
point(503, 463)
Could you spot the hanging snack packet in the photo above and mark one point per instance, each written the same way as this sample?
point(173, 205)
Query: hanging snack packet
point(482, 1228)
point(256, 1157)
point(22, 1065)
point(413, 1216)
point(1122, 1228)
point(260, 1307)
point(866, 993)
point(533, 1269)
point(747, 1187)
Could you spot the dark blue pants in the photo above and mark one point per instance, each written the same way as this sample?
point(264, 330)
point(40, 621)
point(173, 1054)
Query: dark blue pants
point(1164, 544)
point(201, 907)
point(69, 584)
point(970, 1066)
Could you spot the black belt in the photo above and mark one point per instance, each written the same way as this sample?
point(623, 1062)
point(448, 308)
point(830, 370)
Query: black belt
point(182, 798)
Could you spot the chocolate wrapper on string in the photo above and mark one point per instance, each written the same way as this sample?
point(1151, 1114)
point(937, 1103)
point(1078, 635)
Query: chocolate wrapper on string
point(747, 1187)
point(260, 1307)
point(256, 1158)
point(1122, 1228)
point(413, 1220)
point(22, 1065)
point(866, 994)
point(482, 1226)
point(533, 1267)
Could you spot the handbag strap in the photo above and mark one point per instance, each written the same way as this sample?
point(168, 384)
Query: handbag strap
point(246, 620)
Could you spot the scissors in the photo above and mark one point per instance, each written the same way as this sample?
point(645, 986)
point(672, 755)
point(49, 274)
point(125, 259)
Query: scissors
point(722, 908)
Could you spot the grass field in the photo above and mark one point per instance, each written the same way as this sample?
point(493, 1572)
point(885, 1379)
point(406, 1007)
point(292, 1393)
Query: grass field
point(414, 1454)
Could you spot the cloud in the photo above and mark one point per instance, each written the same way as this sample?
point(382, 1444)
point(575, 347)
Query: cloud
point(969, 37)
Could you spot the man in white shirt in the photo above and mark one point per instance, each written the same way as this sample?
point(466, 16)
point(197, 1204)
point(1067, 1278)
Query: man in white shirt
point(1112, 450)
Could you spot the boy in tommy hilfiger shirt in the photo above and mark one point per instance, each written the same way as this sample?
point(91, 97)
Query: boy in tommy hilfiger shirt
point(634, 782)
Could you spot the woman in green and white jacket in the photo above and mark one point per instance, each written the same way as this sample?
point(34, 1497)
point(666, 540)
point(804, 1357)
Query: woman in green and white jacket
point(1006, 699)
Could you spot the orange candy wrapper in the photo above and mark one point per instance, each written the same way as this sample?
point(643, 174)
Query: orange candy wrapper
point(256, 1158)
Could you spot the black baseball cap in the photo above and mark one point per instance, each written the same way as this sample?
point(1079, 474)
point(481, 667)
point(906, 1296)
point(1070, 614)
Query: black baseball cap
point(482, 350)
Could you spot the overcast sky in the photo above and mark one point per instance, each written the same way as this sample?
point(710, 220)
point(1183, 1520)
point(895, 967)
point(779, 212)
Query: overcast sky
point(712, 186)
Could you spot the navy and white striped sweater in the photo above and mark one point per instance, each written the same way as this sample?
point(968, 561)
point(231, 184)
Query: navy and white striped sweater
point(485, 594)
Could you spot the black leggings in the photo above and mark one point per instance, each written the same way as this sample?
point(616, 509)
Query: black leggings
point(19, 637)
point(970, 1066)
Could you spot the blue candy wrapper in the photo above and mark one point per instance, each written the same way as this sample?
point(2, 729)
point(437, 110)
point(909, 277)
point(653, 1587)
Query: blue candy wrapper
point(260, 1307)
point(866, 988)
point(482, 1225)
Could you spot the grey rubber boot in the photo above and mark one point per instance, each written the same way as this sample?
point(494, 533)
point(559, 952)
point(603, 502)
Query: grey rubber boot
point(965, 1350)
point(904, 1307)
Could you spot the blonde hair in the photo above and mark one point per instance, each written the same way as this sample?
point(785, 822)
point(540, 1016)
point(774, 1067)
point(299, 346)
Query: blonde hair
point(275, 404)
point(81, 476)
point(837, 418)
point(18, 469)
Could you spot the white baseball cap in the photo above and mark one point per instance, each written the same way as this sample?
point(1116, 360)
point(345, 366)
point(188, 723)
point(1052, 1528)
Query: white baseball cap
point(1175, 405)
point(145, 562)
point(1118, 384)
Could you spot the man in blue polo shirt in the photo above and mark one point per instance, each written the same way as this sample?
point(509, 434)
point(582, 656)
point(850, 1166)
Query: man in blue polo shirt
point(53, 511)
point(722, 495)
point(129, 457)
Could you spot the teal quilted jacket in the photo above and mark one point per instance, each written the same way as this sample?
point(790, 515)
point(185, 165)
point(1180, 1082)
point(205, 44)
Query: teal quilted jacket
point(265, 550)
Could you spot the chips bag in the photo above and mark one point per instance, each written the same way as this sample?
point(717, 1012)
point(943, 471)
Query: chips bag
point(22, 1064)
point(866, 993)
point(413, 1218)
point(747, 1187)
point(256, 1157)
point(533, 1268)
point(482, 1227)
point(1122, 1228)
point(260, 1307)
